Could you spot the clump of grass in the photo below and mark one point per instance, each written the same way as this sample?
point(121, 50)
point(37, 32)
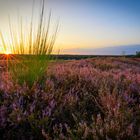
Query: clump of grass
point(31, 49)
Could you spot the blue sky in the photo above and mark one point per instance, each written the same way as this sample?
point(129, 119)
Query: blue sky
point(85, 24)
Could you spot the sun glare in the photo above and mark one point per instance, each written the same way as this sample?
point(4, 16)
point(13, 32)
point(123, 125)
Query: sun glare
point(7, 53)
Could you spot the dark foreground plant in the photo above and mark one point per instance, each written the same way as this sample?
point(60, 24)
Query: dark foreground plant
point(31, 50)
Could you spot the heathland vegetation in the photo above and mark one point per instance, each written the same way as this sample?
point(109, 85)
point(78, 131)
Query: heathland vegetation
point(95, 98)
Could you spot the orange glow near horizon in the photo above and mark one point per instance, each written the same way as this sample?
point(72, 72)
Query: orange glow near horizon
point(7, 52)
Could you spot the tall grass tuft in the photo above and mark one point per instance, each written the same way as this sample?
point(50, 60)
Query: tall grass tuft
point(31, 49)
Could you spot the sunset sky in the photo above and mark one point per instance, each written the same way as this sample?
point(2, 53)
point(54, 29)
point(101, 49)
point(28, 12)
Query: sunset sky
point(84, 24)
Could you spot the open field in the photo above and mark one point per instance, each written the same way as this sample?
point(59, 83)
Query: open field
point(96, 98)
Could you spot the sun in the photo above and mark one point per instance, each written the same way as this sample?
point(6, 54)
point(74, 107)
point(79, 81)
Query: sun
point(7, 53)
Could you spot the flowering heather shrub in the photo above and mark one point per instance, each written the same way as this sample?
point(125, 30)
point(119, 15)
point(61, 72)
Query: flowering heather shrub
point(86, 99)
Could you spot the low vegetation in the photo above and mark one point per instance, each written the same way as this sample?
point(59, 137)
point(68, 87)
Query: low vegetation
point(95, 98)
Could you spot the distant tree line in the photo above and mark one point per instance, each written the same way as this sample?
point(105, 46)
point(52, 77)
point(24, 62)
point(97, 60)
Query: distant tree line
point(138, 53)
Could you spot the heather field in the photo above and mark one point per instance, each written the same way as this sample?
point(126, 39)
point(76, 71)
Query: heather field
point(89, 99)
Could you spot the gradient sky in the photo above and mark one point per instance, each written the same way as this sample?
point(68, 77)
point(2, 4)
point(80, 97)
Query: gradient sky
point(84, 23)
